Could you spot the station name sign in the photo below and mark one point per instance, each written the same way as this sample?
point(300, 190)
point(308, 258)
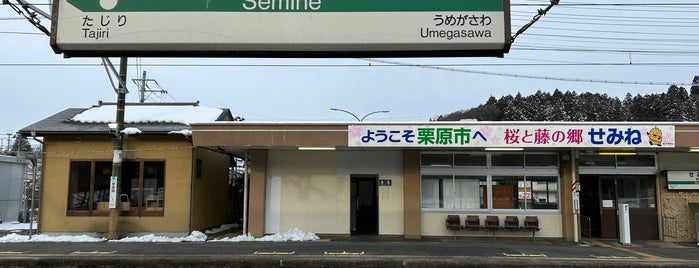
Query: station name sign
point(683, 180)
point(461, 136)
point(281, 27)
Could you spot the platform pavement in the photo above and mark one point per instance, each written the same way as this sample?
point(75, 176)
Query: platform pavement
point(353, 252)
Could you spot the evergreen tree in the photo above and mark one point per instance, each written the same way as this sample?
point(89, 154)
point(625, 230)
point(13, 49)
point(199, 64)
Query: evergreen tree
point(678, 105)
point(674, 105)
point(20, 145)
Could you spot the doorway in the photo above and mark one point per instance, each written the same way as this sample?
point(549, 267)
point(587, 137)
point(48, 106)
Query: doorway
point(601, 195)
point(364, 206)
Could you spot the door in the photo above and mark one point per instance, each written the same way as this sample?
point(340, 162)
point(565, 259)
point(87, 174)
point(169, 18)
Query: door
point(600, 199)
point(364, 206)
point(608, 216)
point(590, 205)
point(639, 193)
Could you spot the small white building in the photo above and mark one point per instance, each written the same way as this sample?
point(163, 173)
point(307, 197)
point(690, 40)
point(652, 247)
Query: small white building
point(11, 181)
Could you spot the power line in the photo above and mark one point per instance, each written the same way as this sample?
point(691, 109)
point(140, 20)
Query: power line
point(566, 79)
point(223, 65)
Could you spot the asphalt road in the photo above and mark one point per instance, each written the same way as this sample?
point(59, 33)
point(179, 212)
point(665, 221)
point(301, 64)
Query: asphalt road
point(352, 252)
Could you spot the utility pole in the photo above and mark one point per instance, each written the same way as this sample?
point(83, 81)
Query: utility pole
point(115, 180)
point(143, 87)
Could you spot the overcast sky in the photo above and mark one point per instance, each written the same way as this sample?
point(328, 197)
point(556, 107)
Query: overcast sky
point(626, 43)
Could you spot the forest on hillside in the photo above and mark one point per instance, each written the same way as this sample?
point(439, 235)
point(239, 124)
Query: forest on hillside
point(676, 105)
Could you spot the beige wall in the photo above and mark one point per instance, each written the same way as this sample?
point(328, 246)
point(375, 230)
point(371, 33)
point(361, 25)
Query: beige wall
point(411, 190)
point(210, 191)
point(59, 152)
point(312, 197)
point(388, 165)
point(433, 224)
point(568, 165)
point(257, 184)
point(315, 188)
point(674, 204)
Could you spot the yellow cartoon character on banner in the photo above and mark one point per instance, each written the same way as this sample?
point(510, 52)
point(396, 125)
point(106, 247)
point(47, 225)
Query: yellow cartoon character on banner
point(655, 136)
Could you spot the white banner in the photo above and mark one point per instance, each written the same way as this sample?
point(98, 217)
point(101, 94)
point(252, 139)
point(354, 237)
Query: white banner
point(587, 136)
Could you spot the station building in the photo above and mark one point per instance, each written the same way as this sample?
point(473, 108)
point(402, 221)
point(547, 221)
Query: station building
point(378, 179)
point(398, 179)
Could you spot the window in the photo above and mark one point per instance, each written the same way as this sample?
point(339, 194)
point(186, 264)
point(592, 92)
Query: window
point(145, 189)
point(470, 160)
point(89, 187)
point(453, 192)
point(541, 160)
point(436, 160)
point(644, 160)
point(544, 192)
point(637, 192)
point(520, 181)
point(611, 161)
point(508, 160)
point(506, 194)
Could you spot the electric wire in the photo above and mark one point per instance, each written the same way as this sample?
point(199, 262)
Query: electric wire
point(621, 19)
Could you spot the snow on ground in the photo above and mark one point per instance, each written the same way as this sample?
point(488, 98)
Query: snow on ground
point(293, 234)
point(14, 238)
point(196, 236)
point(15, 225)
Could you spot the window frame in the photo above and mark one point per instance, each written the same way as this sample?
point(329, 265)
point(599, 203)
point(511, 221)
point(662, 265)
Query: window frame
point(92, 209)
point(527, 173)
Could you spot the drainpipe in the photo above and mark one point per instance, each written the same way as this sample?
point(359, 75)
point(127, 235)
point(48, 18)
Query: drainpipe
point(35, 162)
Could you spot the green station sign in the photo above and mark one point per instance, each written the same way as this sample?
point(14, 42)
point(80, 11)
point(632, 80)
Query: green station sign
point(281, 28)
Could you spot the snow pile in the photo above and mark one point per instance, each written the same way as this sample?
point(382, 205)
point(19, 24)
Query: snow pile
point(185, 132)
point(196, 236)
point(131, 131)
point(222, 228)
point(293, 234)
point(15, 225)
point(15, 238)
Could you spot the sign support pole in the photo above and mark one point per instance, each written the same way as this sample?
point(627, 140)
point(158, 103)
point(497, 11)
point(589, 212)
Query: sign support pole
point(115, 180)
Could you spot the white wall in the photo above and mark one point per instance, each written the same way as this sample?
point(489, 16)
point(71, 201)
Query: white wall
point(388, 166)
point(315, 188)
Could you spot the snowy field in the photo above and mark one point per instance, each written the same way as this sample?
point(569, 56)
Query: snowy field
point(293, 234)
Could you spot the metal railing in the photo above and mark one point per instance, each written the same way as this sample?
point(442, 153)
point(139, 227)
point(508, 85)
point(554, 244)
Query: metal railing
point(585, 226)
point(670, 227)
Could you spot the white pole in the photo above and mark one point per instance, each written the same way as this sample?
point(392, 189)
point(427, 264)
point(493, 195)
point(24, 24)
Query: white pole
point(575, 200)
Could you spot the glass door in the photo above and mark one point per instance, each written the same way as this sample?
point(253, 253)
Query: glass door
point(608, 210)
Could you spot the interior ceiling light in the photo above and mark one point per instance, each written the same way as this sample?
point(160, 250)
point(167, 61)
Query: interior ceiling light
point(616, 153)
point(504, 149)
point(316, 148)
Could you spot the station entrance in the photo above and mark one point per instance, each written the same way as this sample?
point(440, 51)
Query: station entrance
point(601, 195)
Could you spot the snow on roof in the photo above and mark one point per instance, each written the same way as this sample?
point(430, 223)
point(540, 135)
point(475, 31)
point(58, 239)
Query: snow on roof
point(150, 114)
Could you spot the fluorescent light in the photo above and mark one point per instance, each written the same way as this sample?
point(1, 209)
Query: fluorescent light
point(316, 148)
point(616, 153)
point(504, 149)
point(694, 149)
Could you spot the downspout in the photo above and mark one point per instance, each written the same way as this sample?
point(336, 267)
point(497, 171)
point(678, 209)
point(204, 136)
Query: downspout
point(35, 162)
point(192, 175)
point(245, 194)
